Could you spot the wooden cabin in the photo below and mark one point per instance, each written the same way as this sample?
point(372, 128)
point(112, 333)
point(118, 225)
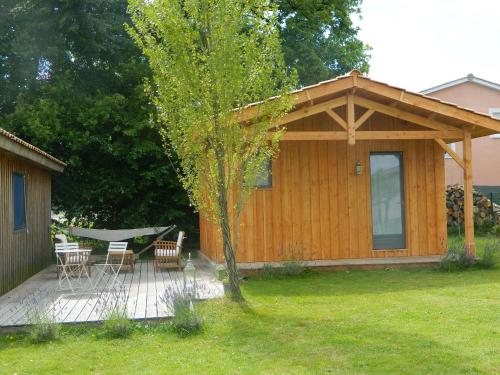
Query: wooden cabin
point(25, 203)
point(359, 179)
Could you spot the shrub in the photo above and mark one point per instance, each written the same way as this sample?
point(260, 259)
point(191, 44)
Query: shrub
point(496, 230)
point(116, 324)
point(490, 256)
point(43, 328)
point(292, 268)
point(40, 307)
point(457, 258)
point(284, 268)
point(112, 306)
point(186, 320)
point(268, 270)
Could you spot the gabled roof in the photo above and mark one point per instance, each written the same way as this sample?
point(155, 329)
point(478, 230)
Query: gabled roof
point(10, 143)
point(469, 78)
point(420, 104)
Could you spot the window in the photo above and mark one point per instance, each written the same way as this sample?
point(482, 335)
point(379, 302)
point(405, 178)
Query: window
point(265, 180)
point(495, 112)
point(387, 193)
point(453, 146)
point(19, 201)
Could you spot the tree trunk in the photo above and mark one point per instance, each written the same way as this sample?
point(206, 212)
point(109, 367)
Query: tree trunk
point(225, 227)
point(229, 252)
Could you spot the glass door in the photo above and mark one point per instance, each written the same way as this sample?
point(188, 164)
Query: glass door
point(387, 191)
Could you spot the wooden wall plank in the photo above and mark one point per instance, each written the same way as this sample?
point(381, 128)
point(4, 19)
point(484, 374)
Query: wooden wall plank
point(324, 201)
point(304, 191)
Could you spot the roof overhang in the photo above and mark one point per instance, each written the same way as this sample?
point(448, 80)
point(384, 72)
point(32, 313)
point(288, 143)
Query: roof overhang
point(425, 108)
point(22, 149)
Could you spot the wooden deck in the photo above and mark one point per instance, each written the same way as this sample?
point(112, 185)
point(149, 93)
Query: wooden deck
point(142, 292)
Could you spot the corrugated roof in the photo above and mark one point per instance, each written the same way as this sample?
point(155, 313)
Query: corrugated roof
point(30, 147)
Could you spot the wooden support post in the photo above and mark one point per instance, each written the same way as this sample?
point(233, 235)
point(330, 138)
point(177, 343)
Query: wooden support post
point(351, 123)
point(470, 243)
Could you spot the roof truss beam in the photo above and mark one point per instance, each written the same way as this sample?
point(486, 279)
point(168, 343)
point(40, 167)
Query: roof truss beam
point(339, 120)
point(364, 117)
point(450, 152)
point(311, 110)
point(403, 115)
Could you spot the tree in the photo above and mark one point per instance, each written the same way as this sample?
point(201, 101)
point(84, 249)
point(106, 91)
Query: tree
point(72, 84)
point(209, 59)
point(319, 38)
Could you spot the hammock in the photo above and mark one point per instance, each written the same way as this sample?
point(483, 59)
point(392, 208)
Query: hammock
point(119, 234)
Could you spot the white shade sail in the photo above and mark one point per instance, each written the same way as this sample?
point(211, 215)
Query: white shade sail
point(118, 234)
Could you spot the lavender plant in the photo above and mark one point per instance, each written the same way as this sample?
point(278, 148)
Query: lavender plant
point(112, 308)
point(186, 320)
point(41, 309)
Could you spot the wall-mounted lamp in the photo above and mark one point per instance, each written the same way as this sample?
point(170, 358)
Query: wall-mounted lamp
point(358, 168)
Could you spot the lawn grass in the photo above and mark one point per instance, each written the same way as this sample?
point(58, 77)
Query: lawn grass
point(418, 321)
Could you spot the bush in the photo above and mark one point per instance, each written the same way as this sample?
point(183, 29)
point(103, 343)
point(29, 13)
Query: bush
point(39, 308)
point(116, 324)
point(457, 258)
point(285, 268)
point(496, 230)
point(186, 320)
point(43, 329)
point(491, 255)
point(291, 268)
point(268, 270)
point(485, 228)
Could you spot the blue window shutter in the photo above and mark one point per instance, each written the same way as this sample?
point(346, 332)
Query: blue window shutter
point(19, 201)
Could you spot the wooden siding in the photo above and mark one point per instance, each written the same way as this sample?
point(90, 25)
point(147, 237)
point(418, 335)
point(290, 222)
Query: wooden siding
point(319, 209)
point(24, 252)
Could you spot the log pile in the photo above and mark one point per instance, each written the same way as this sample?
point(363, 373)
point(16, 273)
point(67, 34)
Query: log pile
point(484, 209)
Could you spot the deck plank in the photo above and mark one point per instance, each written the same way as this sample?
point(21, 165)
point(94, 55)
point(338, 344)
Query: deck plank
point(142, 292)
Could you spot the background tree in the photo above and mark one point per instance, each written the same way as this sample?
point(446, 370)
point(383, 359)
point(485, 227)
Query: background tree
point(209, 57)
point(319, 39)
point(72, 82)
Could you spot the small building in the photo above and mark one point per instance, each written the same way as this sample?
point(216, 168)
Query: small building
point(359, 178)
point(25, 204)
point(482, 96)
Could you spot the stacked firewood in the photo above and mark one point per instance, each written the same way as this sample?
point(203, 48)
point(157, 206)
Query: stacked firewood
point(484, 209)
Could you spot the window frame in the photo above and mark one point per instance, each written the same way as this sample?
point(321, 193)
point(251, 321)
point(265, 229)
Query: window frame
point(24, 226)
point(493, 111)
point(404, 220)
point(269, 181)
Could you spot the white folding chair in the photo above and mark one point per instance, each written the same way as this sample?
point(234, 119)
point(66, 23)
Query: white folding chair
point(114, 263)
point(72, 263)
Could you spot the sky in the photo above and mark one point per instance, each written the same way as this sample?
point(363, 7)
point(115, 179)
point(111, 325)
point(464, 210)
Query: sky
point(424, 43)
